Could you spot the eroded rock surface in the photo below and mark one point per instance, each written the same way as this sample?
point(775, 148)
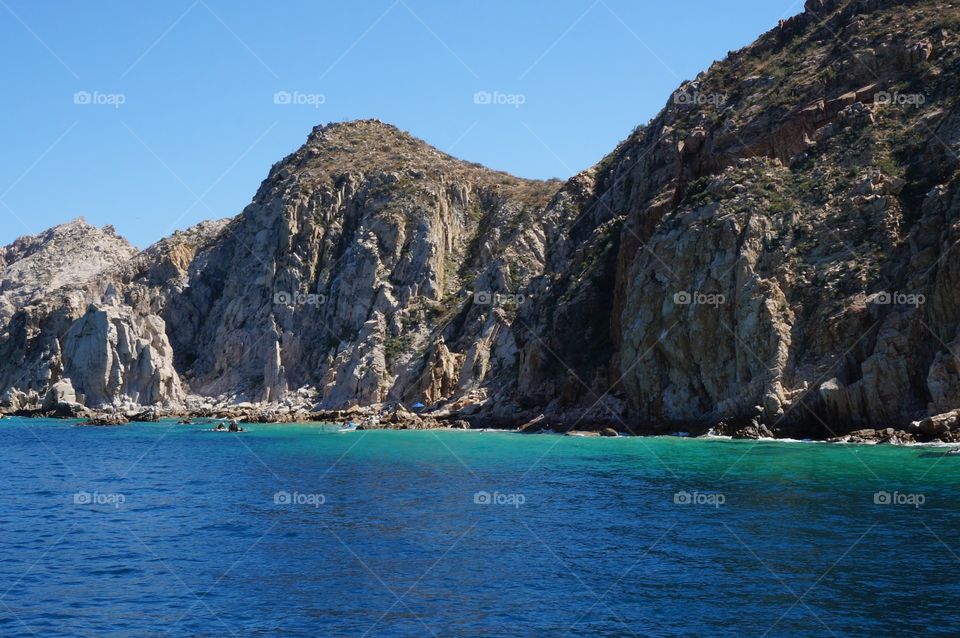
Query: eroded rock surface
point(66, 255)
point(773, 254)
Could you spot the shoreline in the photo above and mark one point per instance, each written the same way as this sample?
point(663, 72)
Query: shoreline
point(478, 415)
point(189, 421)
point(941, 428)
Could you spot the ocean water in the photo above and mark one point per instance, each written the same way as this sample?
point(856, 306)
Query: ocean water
point(289, 530)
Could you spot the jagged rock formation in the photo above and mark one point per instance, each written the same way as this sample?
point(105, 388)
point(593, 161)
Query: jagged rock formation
point(774, 252)
point(112, 352)
point(98, 340)
point(350, 267)
point(775, 231)
point(351, 264)
point(65, 255)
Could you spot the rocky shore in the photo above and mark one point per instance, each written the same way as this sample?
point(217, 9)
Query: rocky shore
point(942, 428)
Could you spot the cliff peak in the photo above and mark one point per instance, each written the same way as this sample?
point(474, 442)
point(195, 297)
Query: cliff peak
point(67, 254)
point(76, 222)
point(369, 145)
point(370, 125)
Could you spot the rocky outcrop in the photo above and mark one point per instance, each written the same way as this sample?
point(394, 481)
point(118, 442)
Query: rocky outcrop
point(349, 264)
point(118, 349)
point(111, 354)
point(356, 255)
point(778, 258)
point(441, 375)
point(105, 420)
point(773, 254)
point(66, 255)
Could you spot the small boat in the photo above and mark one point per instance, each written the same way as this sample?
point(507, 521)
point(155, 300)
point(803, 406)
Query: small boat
point(349, 427)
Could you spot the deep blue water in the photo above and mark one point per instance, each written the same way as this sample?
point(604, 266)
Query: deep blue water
point(167, 530)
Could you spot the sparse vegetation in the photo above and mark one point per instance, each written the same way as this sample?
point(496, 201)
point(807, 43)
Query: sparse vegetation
point(396, 346)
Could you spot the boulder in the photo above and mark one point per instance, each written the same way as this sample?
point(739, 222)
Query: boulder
point(939, 424)
point(144, 416)
point(66, 410)
point(753, 431)
point(14, 400)
point(535, 425)
point(106, 419)
point(60, 392)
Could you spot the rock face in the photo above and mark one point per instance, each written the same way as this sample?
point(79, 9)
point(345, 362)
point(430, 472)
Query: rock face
point(111, 353)
point(346, 280)
point(773, 254)
point(775, 248)
point(65, 255)
point(99, 338)
point(352, 266)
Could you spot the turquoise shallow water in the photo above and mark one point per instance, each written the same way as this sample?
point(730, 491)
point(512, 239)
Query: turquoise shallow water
point(167, 530)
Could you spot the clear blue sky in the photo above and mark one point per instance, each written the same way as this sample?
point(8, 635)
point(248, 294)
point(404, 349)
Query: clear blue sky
point(198, 126)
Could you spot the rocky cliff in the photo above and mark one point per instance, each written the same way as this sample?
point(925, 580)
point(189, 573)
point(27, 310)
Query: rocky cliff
point(65, 255)
point(775, 250)
point(776, 247)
